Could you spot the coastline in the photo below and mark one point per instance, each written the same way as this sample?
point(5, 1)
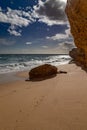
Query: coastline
point(59, 103)
point(18, 75)
point(9, 77)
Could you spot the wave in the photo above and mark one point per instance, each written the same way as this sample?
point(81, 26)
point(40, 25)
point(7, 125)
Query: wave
point(27, 64)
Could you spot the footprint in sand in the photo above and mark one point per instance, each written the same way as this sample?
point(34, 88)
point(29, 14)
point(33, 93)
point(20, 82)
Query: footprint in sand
point(38, 102)
point(14, 91)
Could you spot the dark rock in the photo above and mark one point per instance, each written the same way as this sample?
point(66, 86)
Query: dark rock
point(78, 56)
point(71, 62)
point(42, 72)
point(62, 72)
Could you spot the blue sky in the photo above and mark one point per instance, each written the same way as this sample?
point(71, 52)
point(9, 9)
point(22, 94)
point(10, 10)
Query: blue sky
point(34, 26)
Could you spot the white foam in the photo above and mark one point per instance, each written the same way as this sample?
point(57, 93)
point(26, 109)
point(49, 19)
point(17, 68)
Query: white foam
point(53, 60)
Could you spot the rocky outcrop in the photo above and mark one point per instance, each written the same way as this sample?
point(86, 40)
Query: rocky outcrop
point(78, 56)
point(42, 72)
point(76, 11)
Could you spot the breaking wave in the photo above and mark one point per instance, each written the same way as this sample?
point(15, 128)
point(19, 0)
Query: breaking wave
point(14, 63)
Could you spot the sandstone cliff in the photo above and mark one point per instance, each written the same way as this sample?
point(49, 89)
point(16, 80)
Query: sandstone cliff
point(76, 11)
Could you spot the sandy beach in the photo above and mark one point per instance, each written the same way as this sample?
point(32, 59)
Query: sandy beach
point(58, 103)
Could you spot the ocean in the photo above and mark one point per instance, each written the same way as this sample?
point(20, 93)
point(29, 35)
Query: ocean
point(20, 62)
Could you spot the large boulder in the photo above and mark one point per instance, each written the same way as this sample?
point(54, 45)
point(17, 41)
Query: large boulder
point(42, 72)
point(76, 11)
point(78, 56)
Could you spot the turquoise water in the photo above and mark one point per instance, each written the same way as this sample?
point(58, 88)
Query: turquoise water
point(20, 62)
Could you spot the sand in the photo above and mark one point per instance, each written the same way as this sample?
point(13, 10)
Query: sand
point(59, 103)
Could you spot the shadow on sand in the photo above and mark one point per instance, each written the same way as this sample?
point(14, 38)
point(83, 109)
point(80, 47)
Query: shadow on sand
point(45, 78)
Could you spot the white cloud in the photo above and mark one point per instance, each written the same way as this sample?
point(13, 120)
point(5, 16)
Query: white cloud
point(65, 40)
point(28, 43)
point(45, 47)
point(7, 42)
point(49, 22)
point(65, 46)
point(61, 36)
point(12, 31)
point(16, 18)
point(51, 12)
point(58, 36)
point(0, 9)
point(62, 48)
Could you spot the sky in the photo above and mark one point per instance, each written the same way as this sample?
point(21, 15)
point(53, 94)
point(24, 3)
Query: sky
point(34, 27)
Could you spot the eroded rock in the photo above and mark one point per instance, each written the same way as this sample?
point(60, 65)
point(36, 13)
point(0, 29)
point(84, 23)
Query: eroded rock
point(76, 11)
point(42, 72)
point(78, 55)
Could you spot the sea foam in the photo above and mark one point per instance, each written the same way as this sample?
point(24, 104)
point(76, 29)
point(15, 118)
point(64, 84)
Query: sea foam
point(14, 63)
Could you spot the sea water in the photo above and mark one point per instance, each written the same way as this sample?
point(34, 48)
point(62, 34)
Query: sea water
point(20, 62)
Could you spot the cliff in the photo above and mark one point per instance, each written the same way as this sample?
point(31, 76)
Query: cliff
point(76, 11)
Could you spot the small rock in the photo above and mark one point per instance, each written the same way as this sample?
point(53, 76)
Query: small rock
point(62, 72)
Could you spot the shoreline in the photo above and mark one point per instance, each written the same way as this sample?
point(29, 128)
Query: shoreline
point(16, 76)
point(58, 103)
point(9, 77)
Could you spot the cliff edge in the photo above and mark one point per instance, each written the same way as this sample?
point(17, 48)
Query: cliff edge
point(76, 11)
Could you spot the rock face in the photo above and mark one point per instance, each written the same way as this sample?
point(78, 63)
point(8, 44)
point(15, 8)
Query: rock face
point(78, 56)
point(76, 11)
point(42, 72)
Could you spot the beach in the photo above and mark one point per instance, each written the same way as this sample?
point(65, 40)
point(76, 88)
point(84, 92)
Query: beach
point(58, 103)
